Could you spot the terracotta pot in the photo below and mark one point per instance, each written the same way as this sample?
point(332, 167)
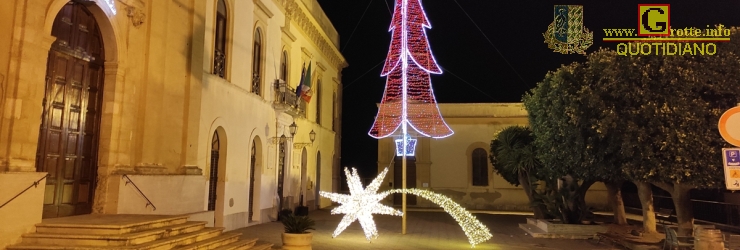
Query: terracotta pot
point(297, 241)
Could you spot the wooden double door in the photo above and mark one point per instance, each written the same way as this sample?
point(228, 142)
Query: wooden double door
point(69, 131)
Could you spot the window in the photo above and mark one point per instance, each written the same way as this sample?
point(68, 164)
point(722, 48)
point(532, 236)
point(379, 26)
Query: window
point(318, 102)
point(219, 47)
point(480, 167)
point(284, 67)
point(334, 112)
point(257, 63)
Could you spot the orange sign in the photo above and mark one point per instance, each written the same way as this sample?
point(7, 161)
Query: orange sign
point(729, 126)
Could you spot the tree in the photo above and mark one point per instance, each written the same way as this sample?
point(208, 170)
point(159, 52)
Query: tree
point(513, 157)
point(574, 137)
point(671, 116)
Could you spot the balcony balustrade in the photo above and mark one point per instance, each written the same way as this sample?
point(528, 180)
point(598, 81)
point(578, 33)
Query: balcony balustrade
point(287, 101)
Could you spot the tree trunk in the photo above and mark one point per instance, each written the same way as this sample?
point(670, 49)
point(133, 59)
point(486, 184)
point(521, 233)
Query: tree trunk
point(684, 209)
point(644, 190)
point(524, 181)
point(614, 192)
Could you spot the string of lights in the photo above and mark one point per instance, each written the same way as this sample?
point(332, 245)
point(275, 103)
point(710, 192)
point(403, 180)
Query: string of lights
point(475, 230)
point(362, 203)
point(409, 97)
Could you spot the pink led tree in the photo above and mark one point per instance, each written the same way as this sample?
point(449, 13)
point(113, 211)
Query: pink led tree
point(409, 98)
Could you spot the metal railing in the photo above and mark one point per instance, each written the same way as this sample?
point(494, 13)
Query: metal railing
point(287, 96)
point(710, 211)
point(34, 184)
point(148, 202)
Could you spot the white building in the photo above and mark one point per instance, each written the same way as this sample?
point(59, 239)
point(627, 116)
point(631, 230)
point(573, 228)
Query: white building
point(176, 97)
point(458, 166)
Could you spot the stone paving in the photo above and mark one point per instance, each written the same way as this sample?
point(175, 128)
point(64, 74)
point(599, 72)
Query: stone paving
point(425, 230)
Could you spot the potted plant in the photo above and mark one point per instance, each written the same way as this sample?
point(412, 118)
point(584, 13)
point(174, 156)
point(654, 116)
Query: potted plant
point(284, 213)
point(296, 236)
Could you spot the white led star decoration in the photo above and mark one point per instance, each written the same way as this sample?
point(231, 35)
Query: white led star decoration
point(361, 204)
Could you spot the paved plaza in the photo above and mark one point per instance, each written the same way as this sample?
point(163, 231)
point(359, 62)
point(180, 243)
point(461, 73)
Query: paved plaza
point(425, 230)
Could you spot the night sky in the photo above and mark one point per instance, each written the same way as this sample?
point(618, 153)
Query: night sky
point(476, 70)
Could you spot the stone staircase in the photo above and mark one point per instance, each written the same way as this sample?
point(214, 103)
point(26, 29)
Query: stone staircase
point(145, 232)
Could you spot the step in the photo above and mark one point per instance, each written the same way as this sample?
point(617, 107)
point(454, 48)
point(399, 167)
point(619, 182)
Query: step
point(212, 243)
point(107, 224)
point(239, 245)
point(263, 246)
point(126, 239)
point(162, 244)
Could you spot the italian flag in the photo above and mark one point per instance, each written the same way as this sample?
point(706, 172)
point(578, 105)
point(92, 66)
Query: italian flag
point(305, 86)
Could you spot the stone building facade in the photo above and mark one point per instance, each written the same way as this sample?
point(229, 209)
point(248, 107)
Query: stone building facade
point(182, 106)
point(458, 166)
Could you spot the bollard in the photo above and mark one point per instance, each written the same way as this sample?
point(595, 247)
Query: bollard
point(709, 239)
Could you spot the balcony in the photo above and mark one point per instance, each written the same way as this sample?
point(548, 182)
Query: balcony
point(287, 101)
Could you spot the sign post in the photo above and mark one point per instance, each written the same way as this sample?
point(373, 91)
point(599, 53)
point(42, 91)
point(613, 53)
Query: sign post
point(729, 129)
point(731, 160)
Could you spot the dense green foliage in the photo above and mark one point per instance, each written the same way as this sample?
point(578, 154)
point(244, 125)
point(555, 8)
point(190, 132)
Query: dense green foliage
point(512, 153)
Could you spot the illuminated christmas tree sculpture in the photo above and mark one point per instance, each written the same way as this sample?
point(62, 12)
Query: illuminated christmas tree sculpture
point(408, 97)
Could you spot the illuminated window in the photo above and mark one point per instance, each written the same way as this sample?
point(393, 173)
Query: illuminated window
point(284, 66)
point(318, 101)
point(334, 112)
point(480, 167)
point(257, 63)
point(219, 48)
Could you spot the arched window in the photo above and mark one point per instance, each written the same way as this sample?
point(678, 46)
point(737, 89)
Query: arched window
point(318, 101)
point(219, 47)
point(284, 67)
point(334, 112)
point(257, 63)
point(480, 167)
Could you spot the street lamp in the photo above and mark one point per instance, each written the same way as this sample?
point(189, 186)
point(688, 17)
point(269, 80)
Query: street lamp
point(311, 136)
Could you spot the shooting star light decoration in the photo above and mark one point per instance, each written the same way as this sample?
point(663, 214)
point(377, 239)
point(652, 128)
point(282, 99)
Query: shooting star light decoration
point(361, 204)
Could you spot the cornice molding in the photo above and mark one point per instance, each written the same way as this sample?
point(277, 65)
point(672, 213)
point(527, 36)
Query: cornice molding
point(294, 12)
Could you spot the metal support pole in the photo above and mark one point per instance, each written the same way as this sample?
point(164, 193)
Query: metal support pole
point(403, 182)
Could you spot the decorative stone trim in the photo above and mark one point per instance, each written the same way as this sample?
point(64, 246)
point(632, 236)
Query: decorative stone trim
point(294, 12)
point(190, 170)
point(321, 65)
point(261, 6)
point(307, 53)
point(286, 32)
point(136, 15)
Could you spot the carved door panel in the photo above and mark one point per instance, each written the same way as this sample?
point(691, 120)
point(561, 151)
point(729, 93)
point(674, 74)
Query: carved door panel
point(410, 179)
point(68, 134)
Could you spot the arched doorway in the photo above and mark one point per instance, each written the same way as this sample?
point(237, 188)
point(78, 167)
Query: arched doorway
point(254, 159)
point(281, 176)
point(304, 176)
point(317, 187)
point(70, 120)
point(216, 174)
point(213, 175)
